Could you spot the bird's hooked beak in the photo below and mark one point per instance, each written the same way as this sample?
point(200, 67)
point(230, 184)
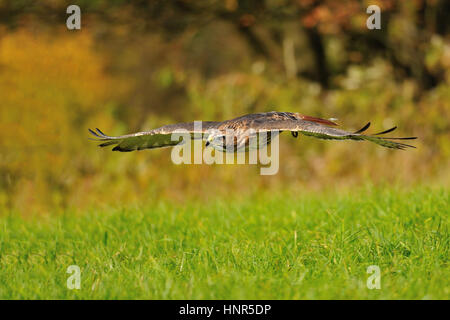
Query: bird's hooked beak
point(208, 141)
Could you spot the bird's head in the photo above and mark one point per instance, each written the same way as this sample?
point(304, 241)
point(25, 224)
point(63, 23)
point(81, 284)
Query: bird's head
point(215, 140)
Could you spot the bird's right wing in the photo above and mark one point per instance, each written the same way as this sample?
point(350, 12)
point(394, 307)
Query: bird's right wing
point(157, 138)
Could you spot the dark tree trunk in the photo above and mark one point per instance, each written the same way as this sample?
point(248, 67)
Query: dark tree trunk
point(318, 50)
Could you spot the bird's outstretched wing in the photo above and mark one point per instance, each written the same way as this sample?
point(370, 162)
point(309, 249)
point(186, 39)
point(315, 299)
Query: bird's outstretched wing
point(157, 138)
point(323, 132)
point(318, 130)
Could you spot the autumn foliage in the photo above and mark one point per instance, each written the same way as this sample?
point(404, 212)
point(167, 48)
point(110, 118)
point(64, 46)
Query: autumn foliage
point(135, 66)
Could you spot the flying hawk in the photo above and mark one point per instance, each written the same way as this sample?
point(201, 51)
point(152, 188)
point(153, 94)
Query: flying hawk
point(236, 133)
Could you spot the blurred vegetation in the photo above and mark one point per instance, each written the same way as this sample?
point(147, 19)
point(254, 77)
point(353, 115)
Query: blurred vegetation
point(136, 65)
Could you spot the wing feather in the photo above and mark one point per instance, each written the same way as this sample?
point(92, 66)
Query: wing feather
point(157, 138)
point(320, 131)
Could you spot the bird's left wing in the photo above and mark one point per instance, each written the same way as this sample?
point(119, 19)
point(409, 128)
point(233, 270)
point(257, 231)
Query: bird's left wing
point(157, 138)
point(320, 131)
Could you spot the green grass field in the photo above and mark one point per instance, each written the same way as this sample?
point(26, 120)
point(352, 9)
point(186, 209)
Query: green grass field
point(268, 247)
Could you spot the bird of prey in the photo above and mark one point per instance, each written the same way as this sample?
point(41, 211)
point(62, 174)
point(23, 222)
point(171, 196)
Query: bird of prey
point(234, 135)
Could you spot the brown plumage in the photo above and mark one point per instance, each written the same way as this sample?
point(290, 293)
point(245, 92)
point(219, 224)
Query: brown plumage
point(217, 133)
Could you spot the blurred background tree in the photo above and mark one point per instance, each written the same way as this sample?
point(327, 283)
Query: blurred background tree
point(135, 65)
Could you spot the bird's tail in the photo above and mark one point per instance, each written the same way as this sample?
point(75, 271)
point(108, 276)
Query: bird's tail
point(318, 120)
